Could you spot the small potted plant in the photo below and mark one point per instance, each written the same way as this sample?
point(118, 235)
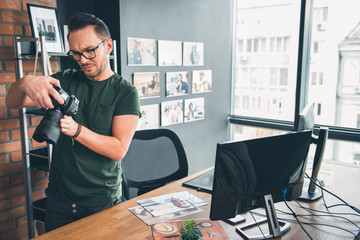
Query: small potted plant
point(189, 230)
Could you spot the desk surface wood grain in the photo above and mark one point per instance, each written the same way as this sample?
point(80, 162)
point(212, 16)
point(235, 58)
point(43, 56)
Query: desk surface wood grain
point(119, 223)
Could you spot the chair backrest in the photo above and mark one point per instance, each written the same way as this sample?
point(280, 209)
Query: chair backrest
point(155, 158)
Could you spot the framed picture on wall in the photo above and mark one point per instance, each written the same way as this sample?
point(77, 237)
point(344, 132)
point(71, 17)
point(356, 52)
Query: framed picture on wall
point(44, 22)
point(172, 112)
point(201, 81)
point(194, 109)
point(193, 54)
point(141, 51)
point(177, 83)
point(169, 53)
point(147, 84)
point(150, 117)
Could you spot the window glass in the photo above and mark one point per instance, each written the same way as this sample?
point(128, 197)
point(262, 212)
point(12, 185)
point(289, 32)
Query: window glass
point(335, 57)
point(271, 28)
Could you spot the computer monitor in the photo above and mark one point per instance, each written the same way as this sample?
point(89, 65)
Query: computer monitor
point(256, 173)
point(305, 121)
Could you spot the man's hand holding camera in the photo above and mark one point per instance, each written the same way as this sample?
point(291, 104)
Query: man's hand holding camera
point(40, 88)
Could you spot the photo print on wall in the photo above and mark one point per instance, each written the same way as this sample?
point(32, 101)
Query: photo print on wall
point(169, 53)
point(194, 109)
point(150, 117)
point(201, 81)
point(141, 51)
point(193, 54)
point(177, 83)
point(172, 112)
point(147, 84)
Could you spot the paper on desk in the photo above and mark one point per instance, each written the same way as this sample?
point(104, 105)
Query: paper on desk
point(149, 219)
point(171, 203)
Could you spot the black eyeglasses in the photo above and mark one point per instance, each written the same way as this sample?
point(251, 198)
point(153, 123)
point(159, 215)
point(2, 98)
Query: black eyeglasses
point(88, 54)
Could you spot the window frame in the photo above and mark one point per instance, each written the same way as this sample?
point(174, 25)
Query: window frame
point(304, 48)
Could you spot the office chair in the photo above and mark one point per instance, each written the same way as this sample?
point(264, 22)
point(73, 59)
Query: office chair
point(155, 157)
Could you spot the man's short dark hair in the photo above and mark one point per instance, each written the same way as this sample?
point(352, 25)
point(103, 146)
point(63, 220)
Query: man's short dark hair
point(82, 20)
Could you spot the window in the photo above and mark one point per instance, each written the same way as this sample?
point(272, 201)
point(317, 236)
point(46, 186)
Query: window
point(276, 86)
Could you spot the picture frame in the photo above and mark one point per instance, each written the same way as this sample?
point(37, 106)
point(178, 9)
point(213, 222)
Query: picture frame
point(150, 117)
point(141, 52)
point(177, 83)
point(194, 109)
point(147, 84)
point(44, 22)
point(201, 81)
point(172, 112)
point(169, 53)
point(193, 54)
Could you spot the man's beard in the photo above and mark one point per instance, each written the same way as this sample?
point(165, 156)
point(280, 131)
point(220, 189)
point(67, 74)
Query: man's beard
point(97, 73)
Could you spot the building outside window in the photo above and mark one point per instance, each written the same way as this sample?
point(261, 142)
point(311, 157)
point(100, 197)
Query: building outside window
point(332, 81)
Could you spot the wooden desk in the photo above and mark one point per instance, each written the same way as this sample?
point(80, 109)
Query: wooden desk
point(119, 223)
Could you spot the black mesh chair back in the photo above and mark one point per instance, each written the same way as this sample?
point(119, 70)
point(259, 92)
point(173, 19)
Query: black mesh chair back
point(155, 157)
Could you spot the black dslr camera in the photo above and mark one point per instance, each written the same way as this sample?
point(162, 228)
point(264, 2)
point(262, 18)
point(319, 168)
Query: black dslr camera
point(49, 128)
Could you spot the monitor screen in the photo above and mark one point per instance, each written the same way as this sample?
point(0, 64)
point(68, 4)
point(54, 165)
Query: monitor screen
point(246, 171)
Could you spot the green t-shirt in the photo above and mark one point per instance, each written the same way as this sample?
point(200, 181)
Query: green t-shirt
point(78, 174)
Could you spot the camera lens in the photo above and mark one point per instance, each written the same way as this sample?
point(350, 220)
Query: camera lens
point(49, 127)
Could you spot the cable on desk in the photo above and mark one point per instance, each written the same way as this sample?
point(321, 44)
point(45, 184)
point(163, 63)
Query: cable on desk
point(295, 216)
point(258, 225)
point(323, 189)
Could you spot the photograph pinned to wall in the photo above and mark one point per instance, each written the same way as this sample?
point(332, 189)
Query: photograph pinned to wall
point(194, 109)
point(177, 83)
point(201, 81)
point(149, 117)
point(43, 22)
point(147, 84)
point(193, 54)
point(141, 51)
point(66, 42)
point(169, 53)
point(172, 112)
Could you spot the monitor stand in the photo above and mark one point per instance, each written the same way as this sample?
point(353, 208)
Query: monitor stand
point(276, 227)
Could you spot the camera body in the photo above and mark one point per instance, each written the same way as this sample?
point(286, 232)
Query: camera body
point(49, 128)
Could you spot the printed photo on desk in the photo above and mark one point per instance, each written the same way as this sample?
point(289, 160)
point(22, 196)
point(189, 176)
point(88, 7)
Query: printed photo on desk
point(170, 203)
point(207, 229)
point(149, 219)
point(147, 84)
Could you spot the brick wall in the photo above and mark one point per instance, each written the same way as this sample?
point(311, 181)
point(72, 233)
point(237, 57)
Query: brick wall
point(14, 21)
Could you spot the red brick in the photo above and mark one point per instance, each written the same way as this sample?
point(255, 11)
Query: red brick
point(37, 174)
point(6, 226)
point(2, 102)
point(16, 156)
point(3, 113)
point(10, 169)
point(4, 182)
point(17, 179)
point(35, 120)
point(24, 6)
point(4, 204)
point(43, 183)
point(4, 136)
point(14, 112)
point(27, 31)
point(12, 191)
point(2, 89)
point(36, 195)
point(15, 134)
point(21, 221)
point(9, 42)
point(9, 124)
point(35, 144)
point(27, 66)
point(16, 234)
point(10, 147)
point(12, 213)
point(10, 29)
point(6, 53)
point(7, 77)
point(52, 2)
point(10, 4)
point(18, 200)
point(15, 17)
point(4, 159)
